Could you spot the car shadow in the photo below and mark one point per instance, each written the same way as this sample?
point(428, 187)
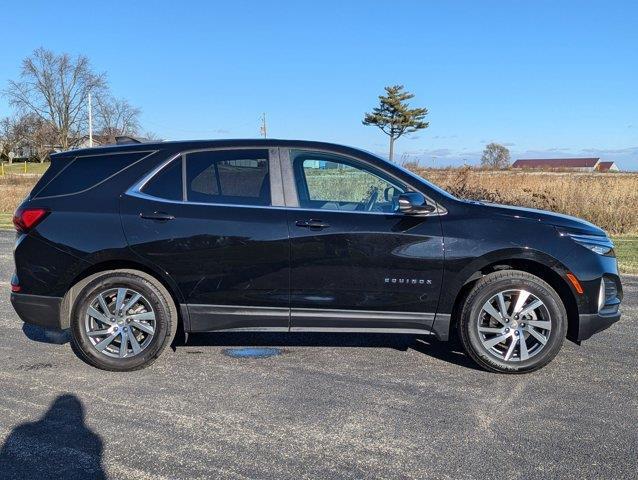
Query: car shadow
point(426, 344)
point(448, 352)
point(58, 445)
point(44, 335)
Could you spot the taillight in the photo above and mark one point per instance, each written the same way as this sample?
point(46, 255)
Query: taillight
point(24, 219)
point(15, 283)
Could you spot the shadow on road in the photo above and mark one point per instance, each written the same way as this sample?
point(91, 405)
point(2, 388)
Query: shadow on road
point(43, 335)
point(427, 345)
point(59, 445)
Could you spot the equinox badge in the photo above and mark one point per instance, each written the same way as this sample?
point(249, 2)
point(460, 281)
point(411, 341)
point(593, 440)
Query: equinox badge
point(408, 281)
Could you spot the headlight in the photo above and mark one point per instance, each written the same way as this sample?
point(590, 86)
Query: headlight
point(597, 244)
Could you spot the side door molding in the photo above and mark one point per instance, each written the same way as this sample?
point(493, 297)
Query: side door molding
point(206, 318)
point(230, 319)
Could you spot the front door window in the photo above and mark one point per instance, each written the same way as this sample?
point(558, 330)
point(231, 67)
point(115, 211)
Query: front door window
point(330, 182)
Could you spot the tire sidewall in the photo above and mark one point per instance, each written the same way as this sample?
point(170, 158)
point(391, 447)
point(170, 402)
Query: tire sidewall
point(122, 280)
point(537, 287)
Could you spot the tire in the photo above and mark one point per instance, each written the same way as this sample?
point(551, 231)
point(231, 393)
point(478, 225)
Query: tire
point(479, 327)
point(150, 322)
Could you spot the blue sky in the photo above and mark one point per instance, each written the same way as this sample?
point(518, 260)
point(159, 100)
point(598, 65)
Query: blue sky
point(545, 78)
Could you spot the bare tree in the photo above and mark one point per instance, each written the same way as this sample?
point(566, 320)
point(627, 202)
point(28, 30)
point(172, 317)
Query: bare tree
point(115, 117)
point(29, 132)
point(40, 136)
point(15, 134)
point(9, 138)
point(495, 156)
point(55, 88)
point(152, 136)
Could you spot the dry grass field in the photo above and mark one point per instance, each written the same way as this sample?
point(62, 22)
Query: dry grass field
point(607, 200)
point(21, 167)
point(13, 188)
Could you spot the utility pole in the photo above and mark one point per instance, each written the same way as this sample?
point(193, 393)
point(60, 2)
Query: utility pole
point(262, 130)
point(90, 123)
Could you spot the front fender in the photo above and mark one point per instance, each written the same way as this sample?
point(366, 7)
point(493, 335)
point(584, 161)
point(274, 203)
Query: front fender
point(461, 271)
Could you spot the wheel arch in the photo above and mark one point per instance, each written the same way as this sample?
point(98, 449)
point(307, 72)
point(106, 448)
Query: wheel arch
point(85, 275)
point(536, 263)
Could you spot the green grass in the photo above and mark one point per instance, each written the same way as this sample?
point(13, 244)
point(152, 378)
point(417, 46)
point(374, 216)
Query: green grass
point(18, 167)
point(627, 253)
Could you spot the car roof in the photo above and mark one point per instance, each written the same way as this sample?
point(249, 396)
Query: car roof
point(219, 143)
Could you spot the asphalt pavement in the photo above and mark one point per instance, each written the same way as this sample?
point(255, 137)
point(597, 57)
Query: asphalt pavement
point(325, 406)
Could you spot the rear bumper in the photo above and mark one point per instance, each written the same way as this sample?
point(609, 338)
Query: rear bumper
point(38, 310)
point(589, 324)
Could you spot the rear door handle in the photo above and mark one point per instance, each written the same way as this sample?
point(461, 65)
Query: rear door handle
point(313, 224)
point(161, 216)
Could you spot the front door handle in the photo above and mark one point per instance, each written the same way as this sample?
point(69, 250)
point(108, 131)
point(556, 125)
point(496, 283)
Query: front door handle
point(312, 224)
point(160, 216)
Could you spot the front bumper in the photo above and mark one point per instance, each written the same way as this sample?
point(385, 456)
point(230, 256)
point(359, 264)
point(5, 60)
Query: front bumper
point(38, 309)
point(591, 323)
point(601, 304)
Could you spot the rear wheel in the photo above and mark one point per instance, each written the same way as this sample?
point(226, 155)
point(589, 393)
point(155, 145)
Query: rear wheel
point(512, 322)
point(122, 320)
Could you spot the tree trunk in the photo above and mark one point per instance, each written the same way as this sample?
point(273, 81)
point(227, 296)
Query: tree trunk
point(391, 156)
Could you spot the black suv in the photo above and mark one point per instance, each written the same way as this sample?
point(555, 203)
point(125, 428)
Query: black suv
point(126, 244)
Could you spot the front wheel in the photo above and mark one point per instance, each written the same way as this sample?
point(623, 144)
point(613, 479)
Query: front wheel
point(122, 320)
point(512, 322)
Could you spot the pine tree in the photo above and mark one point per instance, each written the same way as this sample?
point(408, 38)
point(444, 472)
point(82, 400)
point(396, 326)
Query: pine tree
point(394, 115)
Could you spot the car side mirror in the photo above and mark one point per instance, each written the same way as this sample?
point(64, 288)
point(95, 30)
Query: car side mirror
point(414, 203)
point(389, 193)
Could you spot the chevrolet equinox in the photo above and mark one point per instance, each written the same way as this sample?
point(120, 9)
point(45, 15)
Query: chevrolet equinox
point(125, 244)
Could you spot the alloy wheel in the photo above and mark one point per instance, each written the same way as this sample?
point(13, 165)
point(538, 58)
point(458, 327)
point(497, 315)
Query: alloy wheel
point(514, 325)
point(120, 322)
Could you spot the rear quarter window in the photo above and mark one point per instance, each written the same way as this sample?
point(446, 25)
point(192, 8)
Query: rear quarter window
point(85, 172)
point(167, 183)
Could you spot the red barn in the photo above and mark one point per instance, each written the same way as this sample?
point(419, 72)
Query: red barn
point(592, 164)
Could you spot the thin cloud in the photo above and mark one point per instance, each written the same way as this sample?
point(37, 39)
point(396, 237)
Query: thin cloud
point(444, 137)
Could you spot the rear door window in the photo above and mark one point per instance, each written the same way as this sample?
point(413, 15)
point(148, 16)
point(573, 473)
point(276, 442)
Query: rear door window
point(239, 177)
